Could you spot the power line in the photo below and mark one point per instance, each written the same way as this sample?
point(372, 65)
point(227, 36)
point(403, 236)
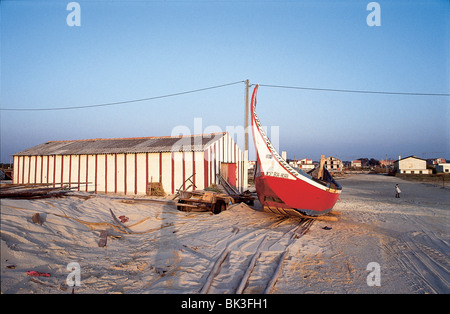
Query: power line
point(224, 85)
point(121, 102)
point(354, 91)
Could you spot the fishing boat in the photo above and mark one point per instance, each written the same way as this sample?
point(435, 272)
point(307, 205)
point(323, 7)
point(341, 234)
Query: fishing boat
point(286, 190)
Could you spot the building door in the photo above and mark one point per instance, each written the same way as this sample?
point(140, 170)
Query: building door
point(228, 171)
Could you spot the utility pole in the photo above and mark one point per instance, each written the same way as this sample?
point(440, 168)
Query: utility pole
point(245, 187)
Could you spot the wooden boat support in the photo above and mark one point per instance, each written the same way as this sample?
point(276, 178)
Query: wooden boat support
point(289, 212)
point(203, 201)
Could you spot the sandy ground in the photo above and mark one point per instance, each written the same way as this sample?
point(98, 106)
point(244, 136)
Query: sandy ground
point(170, 251)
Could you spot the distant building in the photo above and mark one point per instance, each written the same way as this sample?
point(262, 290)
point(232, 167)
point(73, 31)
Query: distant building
point(356, 163)
point(443, 168)
point(387, 163)
point(333, 164)
point(305, 164)
point(411, 165)
point(436, 161)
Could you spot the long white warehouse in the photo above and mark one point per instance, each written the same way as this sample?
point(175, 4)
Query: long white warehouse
point(127, 165)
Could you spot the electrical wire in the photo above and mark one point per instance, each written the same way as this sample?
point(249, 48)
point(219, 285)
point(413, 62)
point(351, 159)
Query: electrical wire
point(354, 91)
point(121, 102)
point(224, 85)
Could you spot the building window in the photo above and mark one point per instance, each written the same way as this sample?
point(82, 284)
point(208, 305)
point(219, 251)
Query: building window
point(420, 172)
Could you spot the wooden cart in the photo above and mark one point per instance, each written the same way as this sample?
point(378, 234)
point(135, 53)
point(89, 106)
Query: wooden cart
point(203, 201)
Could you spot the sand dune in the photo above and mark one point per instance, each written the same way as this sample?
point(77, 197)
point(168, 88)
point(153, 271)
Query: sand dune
point(168, 251)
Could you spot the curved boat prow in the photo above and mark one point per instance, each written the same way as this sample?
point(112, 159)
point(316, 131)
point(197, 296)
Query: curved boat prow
point(281, 188)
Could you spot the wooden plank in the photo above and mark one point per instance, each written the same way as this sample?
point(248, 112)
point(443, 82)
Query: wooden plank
point(195, 200)
point(215, 269)
point(208, 197)
point(187, 205)
point(119, 223)
point(325, 218)
point(252, 264)
point(289, 212)
point(277, 273)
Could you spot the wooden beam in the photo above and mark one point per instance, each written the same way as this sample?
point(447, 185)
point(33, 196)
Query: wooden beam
point(322, 164)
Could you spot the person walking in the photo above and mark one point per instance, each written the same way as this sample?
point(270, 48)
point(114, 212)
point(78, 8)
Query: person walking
point(397, 191)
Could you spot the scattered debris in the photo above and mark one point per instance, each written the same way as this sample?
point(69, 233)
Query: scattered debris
point(103, 238)
point(120, 228)
point(36, 273)
point(123, 219)
point(213, 188)
point(128, 201)
point(43, 283)
point(155, 189)
point(183, 187)
point(119, 223)
point(327, 228)
point(11, 266)
point(125, 229)
point(203, 201)
point(36, 218)
point(161, 270)
point(33, 191)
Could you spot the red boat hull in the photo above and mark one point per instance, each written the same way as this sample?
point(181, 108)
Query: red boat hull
point(282, 189)
point(287, 196)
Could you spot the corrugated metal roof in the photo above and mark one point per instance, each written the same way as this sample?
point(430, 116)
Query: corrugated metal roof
point(124, 145)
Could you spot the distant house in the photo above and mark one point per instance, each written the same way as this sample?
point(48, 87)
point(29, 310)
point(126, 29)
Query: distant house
point(305, 164)
point(436, 161)
point(356, 163)
point(411, 165)
point(387, 163)
point(443, 168)
point(334, 164)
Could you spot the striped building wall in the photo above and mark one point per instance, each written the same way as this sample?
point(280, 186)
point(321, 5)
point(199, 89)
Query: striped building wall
point(128, 173)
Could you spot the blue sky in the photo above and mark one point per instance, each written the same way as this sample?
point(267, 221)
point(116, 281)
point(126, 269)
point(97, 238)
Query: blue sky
point(127, 50)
